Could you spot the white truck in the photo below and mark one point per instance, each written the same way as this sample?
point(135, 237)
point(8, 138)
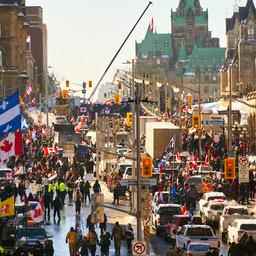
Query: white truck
point(229, 214)
point(196, 233)
point(212, 211)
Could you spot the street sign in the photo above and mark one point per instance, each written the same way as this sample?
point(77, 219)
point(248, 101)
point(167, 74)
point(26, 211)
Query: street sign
point(83, 109)
point(139, 248)
point(133, 182)
point(243, 170)
point(213, 122)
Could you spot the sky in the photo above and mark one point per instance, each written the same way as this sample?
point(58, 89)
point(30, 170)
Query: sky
point(83, 35)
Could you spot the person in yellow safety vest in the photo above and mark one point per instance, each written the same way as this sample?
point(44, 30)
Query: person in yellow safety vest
point(62, 191)
point(1, 250)
point(51, 189)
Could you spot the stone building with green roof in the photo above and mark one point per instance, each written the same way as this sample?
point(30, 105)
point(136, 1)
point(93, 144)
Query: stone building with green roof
point(190, 46)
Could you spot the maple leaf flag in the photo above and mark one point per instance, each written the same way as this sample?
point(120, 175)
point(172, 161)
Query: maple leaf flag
point(10, 146)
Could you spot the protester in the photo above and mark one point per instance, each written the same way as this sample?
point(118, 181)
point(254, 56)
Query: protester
point(57, 207)
point(117, 236)
point(105, 241)
point(71, 239)
point(93, 241)
point(129, 236)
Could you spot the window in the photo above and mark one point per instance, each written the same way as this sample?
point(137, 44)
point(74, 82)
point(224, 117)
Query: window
point(251, 32)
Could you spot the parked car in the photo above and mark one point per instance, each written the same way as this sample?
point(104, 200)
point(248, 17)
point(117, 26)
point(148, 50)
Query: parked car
point(238, 227)
point(209, 197)
point(34, 238)
point(212, 210)
point(162, 197)
point(197, 249)
point(196, 233)
point(195, 181)
point(229, 214)
point(177, 222)
point(163, 214)
point(6, 174)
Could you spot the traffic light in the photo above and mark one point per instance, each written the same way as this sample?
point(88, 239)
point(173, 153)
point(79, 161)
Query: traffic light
point(230, 168)
point(65, 94)
point(195, 121)
point(67, 83)
point(90, 84)
point(117, 99)
point(129, 117)
point(84, 85)
point(189, 100)
point(147, 165)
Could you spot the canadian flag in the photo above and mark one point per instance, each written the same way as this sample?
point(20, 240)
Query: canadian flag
point(10, 146)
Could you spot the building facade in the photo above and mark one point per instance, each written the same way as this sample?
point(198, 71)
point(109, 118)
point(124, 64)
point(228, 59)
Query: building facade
point(239, 71)
point(38, 37)
point(176, 58)
point(13, 47)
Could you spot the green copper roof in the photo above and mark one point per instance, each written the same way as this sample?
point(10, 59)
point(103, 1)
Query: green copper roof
point(206, 58)
point(190, 4)
point(154, 44)
point(179, 20)
point(201, 20)
point(182, 56)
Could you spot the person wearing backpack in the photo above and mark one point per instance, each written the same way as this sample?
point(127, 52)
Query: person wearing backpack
point(84, 247)
point(96, 187)
point(93, 241)
point(129, 235)
point(117, 236)
point(105, 241)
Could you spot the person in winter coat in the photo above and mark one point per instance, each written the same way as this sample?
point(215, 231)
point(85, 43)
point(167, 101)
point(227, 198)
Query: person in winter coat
point(47, 204)
point(78, 202)
point(87, 192)
point(117, 236)
point(103, 225)
point(93, 241)
point(117, 191)
point(84, 247)
point(56, 208)
point(129, 236)
point(105, 241)
point(71, 239)
point(96, 187)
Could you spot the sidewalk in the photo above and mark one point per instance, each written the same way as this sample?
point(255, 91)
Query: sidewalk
point(124, 205)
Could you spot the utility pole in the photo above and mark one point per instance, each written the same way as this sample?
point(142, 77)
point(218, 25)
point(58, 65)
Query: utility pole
point(137, 110)
point(200, 113)
point(46, 98)
point(230, 112)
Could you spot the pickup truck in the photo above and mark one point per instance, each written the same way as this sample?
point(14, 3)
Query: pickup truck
point(212, 211)
point(209, 197)
point(196, 233)
point(229, 214)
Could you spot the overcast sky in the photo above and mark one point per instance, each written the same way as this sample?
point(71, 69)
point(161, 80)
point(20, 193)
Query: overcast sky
point(83, 35)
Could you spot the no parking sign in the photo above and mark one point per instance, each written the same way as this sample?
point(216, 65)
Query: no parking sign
point(139, 248)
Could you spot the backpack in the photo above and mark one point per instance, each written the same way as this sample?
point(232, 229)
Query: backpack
point(92, 239)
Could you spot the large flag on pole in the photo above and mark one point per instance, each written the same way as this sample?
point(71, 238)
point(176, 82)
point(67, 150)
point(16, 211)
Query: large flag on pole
point(11, 146)
point(10, 115)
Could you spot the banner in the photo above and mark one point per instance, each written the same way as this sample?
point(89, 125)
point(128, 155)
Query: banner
point(11, 146)
point(7, 207)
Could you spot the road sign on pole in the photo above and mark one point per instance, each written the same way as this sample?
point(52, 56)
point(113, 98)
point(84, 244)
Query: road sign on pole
point(243, 168)
point(133, 182)
point(139, 248)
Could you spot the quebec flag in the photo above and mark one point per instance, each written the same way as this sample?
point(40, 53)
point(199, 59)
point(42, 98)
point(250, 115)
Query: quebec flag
point(10, 115)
